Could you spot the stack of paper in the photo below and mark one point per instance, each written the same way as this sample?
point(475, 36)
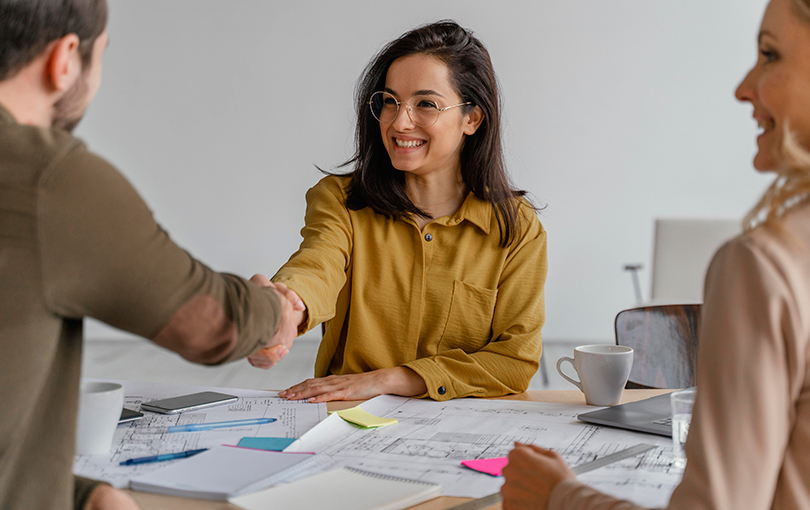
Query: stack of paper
point(222, 472)
point(342, 489)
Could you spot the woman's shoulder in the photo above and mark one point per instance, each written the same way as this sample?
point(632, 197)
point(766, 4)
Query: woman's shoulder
point(783, 245)
point(529, 223)
point(334, 183)
point(333, 187)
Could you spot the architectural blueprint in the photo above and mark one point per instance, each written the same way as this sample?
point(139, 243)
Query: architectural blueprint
point(148, 436)
point(431, 438)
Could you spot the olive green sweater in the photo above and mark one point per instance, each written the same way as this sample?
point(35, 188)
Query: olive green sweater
point(76, 240)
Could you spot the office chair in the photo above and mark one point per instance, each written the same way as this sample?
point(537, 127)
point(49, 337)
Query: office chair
point(664, 340)
point(682, 251)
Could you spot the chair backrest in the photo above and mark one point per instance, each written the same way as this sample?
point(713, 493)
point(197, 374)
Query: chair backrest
point(664, 341)
point(682, 252)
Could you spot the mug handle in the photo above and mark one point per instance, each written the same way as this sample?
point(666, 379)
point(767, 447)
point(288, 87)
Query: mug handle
point(559, 369)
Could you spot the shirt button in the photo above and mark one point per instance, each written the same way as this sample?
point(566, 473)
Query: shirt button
point(428, 237)
point(441, 390)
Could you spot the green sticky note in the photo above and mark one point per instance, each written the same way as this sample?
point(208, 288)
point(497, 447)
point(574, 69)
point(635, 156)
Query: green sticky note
point(359, 417)
point(273, 444)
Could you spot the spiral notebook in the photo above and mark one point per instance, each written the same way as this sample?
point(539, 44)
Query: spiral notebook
point(223, 472)
point(342, 489)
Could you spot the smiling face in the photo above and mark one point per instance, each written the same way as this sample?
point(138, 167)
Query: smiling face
point(778, 86)
point(425, 150)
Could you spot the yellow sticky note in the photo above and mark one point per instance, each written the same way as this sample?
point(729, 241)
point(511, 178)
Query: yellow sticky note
point(359, 417)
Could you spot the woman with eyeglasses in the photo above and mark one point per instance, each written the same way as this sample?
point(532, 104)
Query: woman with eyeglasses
point(426, 265)
point(749, 439)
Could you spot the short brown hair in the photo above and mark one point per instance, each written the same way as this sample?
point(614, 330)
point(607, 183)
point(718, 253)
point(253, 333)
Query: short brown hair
point(28, 26)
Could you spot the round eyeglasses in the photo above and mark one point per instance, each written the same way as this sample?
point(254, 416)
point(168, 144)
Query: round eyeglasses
point(423, 111)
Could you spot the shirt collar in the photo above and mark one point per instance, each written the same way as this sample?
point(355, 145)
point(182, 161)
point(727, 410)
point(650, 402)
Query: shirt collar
point(474, 210)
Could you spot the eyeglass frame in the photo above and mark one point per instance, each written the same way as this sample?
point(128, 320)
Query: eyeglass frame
point(409, 108)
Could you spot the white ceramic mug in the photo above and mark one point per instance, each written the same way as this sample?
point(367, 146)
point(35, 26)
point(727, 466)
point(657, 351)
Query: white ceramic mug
point(603, 371)
point(100, 405)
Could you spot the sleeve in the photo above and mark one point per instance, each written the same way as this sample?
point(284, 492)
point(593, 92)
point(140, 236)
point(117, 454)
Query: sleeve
point(575, 495)
point(741, 419)
point(742, 415)
point(510, 360)
point(82, 488)
point(317, 271)
point(104, 256)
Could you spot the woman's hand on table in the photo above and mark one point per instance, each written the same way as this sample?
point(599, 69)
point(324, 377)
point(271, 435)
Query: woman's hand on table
point(292, 316)
point(392, 381)
point(530, 476)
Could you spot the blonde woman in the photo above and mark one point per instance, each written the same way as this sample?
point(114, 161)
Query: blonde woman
point(749, 443)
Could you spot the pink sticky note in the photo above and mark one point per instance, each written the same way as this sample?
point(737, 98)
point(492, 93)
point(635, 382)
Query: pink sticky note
point(489, 466)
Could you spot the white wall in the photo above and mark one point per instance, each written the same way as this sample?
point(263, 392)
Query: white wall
point(616, 112)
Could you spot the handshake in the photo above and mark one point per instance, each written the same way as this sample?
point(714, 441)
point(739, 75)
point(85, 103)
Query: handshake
point(293, 317)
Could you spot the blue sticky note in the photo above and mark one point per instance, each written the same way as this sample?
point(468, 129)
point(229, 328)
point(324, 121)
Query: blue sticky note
point(274, 444)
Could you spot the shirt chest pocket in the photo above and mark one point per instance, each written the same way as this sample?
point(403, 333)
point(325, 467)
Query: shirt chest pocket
point(469, 323)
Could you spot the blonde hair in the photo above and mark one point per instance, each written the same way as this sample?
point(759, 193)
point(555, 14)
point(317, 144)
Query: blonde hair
point(791, 186)
point(802, 8)
point(792, 183)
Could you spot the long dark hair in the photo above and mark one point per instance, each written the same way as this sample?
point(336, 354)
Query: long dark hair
point(377, 184)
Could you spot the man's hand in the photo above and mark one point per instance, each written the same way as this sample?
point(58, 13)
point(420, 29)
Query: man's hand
point(530, 476)
point(394, 381)
point(105, 497)
point(292, 316)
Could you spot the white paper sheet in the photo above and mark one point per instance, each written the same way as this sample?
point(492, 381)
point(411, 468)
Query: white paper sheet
point(432, 438)
point(148, 435)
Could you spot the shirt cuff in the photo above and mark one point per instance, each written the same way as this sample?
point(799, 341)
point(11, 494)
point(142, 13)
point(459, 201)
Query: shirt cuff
point(439, 383)
point(572, 494)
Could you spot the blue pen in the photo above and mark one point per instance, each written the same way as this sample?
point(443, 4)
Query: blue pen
point(160, 458)
point(196, 427)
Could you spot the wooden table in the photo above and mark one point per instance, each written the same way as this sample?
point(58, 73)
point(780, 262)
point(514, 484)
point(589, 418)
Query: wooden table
point(149, 501)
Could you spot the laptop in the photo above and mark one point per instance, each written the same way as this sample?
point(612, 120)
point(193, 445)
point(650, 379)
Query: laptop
point(652, 415)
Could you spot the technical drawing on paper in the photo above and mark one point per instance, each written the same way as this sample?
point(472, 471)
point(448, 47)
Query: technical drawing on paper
point(149, 436)
point(431, 438)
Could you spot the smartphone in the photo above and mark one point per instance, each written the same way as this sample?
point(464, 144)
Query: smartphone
point(188, 402)
point(128, 415)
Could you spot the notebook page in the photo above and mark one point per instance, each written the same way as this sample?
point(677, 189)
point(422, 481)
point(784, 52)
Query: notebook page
point(342, 489)
point(219, 473)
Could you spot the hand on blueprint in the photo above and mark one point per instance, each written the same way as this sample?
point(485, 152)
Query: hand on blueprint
point(530, 476)
point(292, 315)
point(104, 497)
point(391, 381)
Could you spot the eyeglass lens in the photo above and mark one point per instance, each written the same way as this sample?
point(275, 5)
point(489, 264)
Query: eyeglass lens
point(423, 111)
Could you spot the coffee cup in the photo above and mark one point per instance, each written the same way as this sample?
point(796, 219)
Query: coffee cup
point(100, 405)
point(603, 371)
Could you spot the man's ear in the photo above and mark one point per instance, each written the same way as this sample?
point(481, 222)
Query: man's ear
point(473, 120)
point(64, 63)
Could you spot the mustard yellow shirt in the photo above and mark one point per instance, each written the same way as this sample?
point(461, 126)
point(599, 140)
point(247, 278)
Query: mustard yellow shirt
point(447, 302)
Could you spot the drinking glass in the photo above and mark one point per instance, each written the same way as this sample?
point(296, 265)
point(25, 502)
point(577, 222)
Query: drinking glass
point(682, 403)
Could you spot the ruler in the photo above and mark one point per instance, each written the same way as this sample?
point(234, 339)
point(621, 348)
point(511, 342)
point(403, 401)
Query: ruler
point(477, 504)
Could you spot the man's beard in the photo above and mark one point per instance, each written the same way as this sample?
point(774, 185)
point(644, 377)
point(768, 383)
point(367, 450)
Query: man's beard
point(69, 110)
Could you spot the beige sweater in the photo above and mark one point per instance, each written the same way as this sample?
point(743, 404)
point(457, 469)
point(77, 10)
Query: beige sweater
point(749, 441)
